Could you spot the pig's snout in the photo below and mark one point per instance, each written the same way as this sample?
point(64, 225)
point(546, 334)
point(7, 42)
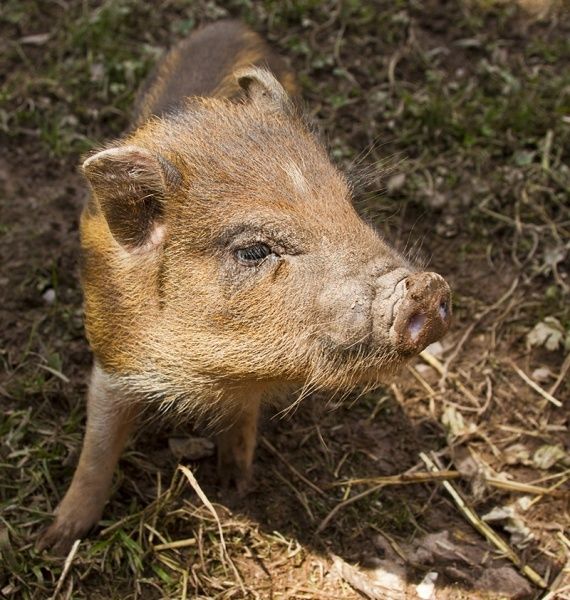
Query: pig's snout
point(423, 314)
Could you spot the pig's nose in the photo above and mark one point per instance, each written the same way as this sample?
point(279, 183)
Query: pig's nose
point(424, 314)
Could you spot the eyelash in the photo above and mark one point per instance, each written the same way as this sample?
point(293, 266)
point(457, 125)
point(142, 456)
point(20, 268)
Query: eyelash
point(253, 255)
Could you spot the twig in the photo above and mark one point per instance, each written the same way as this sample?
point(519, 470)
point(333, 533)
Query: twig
point(302, 500)
point(66, 567)
point(560, 587)
point(154, 505)
point(345, 503)
point(524, 488)
point(394, 59)
point(563, 475)
point(546, 148)
point(427, 387)
point(402, 479)
point(176, 544)
point(484, 529)
point(397, 393)
point(535, 386)
point(565, 541)
point(561, 376)
point(194, 483)
point(439, 475)
point(293, 470)
point(55, 372)
point(552, 488)
point(440, 368)
point(422, 477)
point(153, 532)
point(184, 594)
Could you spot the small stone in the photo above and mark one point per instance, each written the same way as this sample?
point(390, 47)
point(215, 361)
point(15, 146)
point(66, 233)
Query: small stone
point(504, 581)
point(192, 448)
point(49, 296)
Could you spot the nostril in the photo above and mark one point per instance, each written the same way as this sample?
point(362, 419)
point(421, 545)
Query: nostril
point(423, 314)
point(415, 326)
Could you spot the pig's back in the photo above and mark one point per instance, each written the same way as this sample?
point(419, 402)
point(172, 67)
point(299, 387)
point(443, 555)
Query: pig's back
point(203, 65)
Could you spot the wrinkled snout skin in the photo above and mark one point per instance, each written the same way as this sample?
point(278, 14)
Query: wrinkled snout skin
point(388, 311)
point(223, 261)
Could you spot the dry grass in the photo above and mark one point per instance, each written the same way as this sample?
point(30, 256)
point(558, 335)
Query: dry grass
point(474, 96)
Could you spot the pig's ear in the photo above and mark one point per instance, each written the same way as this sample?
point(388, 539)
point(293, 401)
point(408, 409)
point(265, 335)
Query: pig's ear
point(262, 87)
point(129, 184)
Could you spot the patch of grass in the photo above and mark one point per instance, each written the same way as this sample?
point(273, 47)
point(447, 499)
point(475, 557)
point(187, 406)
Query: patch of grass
point(90, 54)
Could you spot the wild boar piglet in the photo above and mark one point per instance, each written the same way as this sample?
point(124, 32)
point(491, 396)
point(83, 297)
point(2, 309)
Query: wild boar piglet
point(223, 260)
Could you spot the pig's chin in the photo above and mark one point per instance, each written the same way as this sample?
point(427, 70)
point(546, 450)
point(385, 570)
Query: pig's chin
point(380, 374)
point(364, 364)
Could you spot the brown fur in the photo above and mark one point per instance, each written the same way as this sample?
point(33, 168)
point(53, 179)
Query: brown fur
point(204, 64)
point(177, 315)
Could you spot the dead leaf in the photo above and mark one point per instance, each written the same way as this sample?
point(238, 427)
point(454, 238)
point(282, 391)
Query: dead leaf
point(547, 456)
point(455, 422)
point(548, 333)
point(517, 454)
point(512, 521)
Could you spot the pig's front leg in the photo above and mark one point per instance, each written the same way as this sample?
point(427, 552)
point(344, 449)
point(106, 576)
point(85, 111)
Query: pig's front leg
point(236, 447)
point(110, 419)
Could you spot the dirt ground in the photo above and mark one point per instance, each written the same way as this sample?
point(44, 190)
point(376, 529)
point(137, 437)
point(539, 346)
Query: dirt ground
point(453, 120)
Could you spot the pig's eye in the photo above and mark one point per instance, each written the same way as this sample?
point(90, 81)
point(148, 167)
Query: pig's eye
point(253, 255)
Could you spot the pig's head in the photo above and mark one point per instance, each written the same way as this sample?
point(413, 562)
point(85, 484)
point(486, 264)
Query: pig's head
point(232, 252)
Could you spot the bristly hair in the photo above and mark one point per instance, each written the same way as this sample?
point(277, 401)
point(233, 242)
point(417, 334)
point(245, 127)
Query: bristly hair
point(204, 399)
